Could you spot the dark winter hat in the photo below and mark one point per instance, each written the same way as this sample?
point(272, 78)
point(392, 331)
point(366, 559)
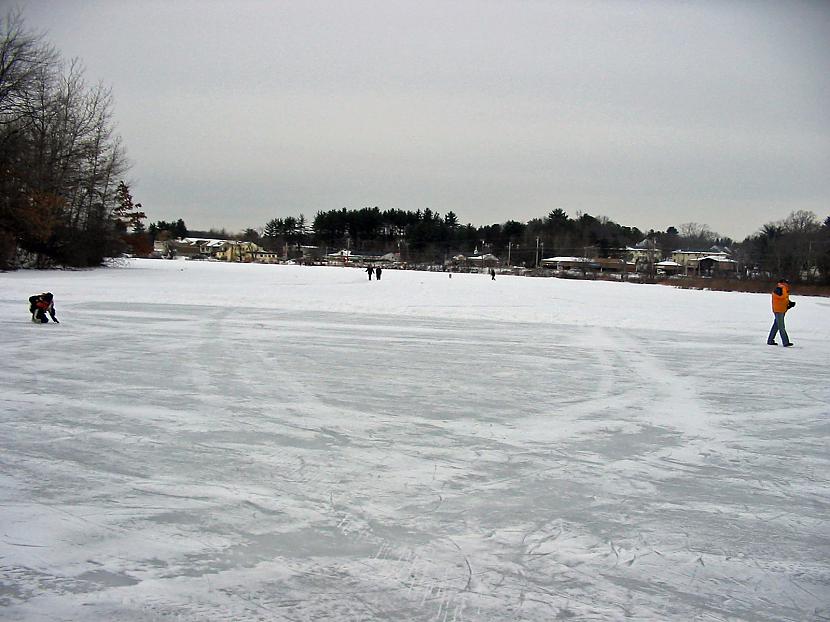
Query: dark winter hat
point(48, 296)
point(784, 281)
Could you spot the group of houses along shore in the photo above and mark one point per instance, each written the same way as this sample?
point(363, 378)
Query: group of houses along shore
point(630, 262)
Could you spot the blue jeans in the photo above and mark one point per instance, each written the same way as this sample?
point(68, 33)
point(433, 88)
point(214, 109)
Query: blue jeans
point(778, 327)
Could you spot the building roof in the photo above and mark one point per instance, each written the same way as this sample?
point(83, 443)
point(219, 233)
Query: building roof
point(707, 253)
point(568, 259)
point(206, 241)
point(719, 258)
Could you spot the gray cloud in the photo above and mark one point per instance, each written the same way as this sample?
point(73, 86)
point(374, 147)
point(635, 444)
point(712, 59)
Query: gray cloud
point(650, 113)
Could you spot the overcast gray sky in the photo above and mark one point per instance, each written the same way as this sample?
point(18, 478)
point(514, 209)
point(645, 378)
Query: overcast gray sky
point(652, 113)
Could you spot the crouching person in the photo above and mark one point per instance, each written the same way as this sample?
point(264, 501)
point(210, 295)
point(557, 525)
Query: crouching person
point(40, 305)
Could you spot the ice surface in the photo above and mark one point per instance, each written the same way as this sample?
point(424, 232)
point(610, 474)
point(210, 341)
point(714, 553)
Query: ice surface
point(207, 441)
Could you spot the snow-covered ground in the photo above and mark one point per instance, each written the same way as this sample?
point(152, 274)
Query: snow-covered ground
point(207, 441)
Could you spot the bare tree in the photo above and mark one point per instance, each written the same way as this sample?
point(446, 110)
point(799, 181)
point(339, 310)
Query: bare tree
point(25, 61)
point(24, 57)
point(60, 161)
point(802, 229)
point(801, 222)
point(696, 236)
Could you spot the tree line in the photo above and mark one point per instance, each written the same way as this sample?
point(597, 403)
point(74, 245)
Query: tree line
point(425, 235)
point(797, 247)
point(61, 163)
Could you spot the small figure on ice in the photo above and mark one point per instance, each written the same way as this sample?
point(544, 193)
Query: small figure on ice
point(781, 303)
point(377, 273)
point(370, 271)
point(40, 305)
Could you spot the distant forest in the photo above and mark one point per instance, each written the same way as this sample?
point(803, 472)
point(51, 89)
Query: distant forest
point(64, 200)
point(797, 246)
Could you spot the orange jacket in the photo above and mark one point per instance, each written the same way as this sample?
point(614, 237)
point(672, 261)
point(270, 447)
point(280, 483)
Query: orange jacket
point(781, 301)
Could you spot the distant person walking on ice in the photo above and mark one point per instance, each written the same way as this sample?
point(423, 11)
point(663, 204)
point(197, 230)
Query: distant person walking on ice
point(370, 271)
point(40, 305)
point(492, 274)
point(780, 305)
point(377, 273)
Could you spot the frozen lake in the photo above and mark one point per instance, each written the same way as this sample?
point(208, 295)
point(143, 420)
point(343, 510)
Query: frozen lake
point(205, 441)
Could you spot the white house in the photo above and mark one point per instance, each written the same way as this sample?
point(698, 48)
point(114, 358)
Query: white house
point(707, 263)
point(566, 263)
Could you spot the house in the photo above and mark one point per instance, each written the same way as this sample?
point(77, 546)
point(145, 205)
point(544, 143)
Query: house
point(668, 267)
point(263, 256)
point(689, 258)
point(206, 247)
point(613, 264)
point(705, 263)
point(310, 254)
point(163, 249)
point(233, 250)
point(717, 266)
point(484, 260)
point(643, 256)
point(644, 252)
point(370, 258)
point(349, 258)
point(342, 257)
point(567, 263)
point(580, 266)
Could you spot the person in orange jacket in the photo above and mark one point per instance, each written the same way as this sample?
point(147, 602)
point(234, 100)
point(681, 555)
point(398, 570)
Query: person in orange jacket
point(781, 303)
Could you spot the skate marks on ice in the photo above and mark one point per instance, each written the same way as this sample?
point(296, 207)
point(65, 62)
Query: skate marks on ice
point(307, 467)
point(725, 492)
point(222, 484)
point(465, 479)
